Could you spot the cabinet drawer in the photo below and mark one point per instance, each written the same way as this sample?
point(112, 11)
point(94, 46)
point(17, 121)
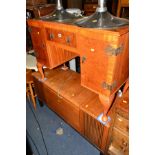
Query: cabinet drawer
point(62, 37)
point(121, 123)
point(119, 144)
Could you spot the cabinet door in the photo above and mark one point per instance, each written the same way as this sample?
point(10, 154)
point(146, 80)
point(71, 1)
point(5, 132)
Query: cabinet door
point(39, 45)
point(96, 66)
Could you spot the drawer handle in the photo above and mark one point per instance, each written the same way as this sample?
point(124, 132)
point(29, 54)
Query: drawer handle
point(68, 40)
point(51, 36)
point(83, 59)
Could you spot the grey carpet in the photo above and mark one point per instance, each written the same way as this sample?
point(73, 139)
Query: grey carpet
point(70, 143)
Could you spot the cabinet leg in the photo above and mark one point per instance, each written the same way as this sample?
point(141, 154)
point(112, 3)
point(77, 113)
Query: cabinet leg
point(41, 103)
point(40, 69)
point(101, 153)
point(106, 102)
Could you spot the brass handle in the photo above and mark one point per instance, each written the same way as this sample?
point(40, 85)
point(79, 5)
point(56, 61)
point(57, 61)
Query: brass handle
point(83, 59)
point(68, 40)
point(51, 36)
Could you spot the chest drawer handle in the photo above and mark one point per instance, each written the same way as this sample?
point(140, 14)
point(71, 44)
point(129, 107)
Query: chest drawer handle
point(51, 36)
point(83, 59)
point(68, 40)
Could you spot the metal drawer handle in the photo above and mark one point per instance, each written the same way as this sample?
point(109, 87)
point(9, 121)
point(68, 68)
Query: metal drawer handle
point(51, 36)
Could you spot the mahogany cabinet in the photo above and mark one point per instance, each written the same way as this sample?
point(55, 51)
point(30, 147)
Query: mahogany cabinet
point(104, 55)
point(118, 139)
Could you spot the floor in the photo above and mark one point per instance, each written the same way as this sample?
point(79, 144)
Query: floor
point(69, 143)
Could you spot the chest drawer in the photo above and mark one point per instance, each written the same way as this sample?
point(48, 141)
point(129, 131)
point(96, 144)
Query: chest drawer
point(119, 144)
point(62, 37)
point(121, 123)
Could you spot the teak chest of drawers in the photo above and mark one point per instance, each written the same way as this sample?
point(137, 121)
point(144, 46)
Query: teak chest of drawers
point(118, 139)
point(103, 54)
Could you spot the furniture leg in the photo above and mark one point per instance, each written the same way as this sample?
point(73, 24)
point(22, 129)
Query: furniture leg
point(106, 102)
point(32, 95)
point(40, 69)
point(41, 103)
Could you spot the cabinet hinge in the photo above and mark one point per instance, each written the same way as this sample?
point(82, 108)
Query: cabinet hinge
point(114, 51)
point(109, 87)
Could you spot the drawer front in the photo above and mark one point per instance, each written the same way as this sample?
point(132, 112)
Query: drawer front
point(122, 123)
point(119, 144)
point(62, 37)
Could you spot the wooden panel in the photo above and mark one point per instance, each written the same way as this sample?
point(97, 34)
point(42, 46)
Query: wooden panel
point(93, 130)
point(58, 55)
point(69, 112)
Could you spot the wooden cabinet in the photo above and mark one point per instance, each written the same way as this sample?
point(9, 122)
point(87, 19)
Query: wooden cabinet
point(118, 141)
point(104, 60)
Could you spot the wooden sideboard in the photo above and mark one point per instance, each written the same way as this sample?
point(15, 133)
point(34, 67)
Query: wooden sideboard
point(78, 106)
point(103, 54)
